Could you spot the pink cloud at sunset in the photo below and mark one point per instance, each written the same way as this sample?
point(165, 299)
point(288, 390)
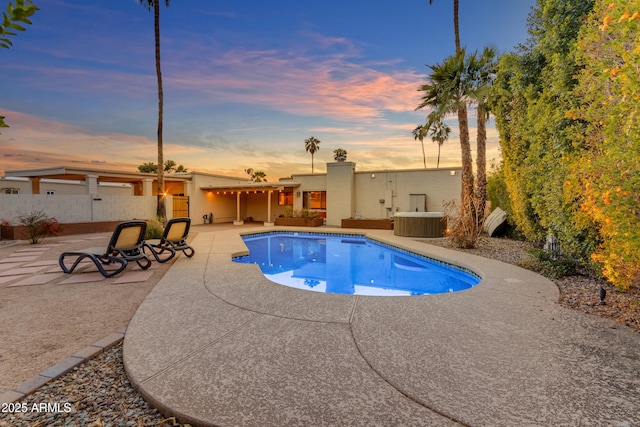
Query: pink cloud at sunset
point(245, 83)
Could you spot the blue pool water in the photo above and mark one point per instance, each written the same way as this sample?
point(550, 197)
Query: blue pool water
point(349, 264)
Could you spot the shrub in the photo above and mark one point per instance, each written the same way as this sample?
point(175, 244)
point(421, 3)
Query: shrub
point(552, 264)
point(38, 226)
point(606, 172)
point(155, 229)
point(497, 192)
point(464, 231)
point(288, 211)
point(306, 213)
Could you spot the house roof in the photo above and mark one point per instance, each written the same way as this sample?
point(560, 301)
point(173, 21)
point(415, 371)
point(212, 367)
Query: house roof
point(252, 186)
point(80, 174)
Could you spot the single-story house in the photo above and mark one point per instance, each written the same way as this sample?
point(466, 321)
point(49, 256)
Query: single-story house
point(73, 195)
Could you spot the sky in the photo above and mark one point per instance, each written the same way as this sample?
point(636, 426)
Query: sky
point(245, 82)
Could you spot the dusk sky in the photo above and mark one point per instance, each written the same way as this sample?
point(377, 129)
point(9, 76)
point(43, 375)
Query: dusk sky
point(245, 82)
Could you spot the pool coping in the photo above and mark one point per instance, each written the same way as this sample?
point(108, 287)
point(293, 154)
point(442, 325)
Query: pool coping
point(216, 343)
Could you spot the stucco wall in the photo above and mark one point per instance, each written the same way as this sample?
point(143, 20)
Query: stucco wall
point(341, 193)
point(257, 208)
point(394, 187)
point(222, 206)
point(66, 187)
point(316, 182)
point(77, 208)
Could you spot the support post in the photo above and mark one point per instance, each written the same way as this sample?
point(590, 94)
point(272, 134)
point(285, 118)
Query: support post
point(238, 221)
point(268, 222)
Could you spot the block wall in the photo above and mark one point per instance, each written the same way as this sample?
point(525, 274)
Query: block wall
point(77, 208)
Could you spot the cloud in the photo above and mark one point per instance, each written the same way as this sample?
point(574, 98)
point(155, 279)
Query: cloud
point(296, 80)
point(53, 143)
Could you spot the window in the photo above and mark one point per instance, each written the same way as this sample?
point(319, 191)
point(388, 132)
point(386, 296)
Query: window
point(314, 200)
point(285, 198)
point(9, 190)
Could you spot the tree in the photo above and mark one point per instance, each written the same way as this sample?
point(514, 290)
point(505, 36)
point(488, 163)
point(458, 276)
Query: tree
point(456, 27)
point(448, 92)
point(460, 80)
point(155, 5)
point(531, 96)
point(340, 154)
point(169, 166)
point(481, 71)
point(20, 13)
point(419, 133)
point(256, 176)
point(604, 173)
point(172, 166)
point(439, 133)
point(312, 145)
point(148, 167)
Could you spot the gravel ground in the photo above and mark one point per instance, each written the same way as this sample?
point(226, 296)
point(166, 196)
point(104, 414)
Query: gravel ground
point(98, 393)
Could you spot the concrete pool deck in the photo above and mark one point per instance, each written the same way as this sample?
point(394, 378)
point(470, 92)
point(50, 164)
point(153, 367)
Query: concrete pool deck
point(216, 343)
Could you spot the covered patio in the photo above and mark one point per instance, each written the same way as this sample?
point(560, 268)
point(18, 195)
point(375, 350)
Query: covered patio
point(266, 188)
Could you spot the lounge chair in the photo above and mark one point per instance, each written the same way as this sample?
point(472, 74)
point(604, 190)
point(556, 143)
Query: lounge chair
point(125, 246)
point(173, 240)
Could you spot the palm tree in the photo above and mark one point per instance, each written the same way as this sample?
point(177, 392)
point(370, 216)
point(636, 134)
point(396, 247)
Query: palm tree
point(448, 92)
point(256, 176)
point(312, 145)
point(340, 154)
point(459, 80)
point(481, 71)
point(155, 4)
point(456, 28)
point(419, 133)
point(439, 133)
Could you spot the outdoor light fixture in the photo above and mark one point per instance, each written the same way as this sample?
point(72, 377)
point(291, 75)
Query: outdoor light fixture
point(603, 295)
point(452, 173)
point(373, 175)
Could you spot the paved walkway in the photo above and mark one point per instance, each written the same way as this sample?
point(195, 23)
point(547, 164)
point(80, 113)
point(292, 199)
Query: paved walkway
point(215, 343)
point(47, 316)
point(51, 321)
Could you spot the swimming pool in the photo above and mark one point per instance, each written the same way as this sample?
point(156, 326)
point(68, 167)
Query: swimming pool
point(350, 264)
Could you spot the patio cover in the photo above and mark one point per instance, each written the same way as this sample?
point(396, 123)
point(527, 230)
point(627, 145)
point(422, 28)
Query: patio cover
point(249, 187)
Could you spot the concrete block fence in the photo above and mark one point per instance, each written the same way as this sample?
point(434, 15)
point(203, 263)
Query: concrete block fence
point(82, 208)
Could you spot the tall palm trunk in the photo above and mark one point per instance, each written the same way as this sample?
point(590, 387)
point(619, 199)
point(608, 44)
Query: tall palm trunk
point(456, 27)
point(466, 198)
point(161, 210)
point(481, 160)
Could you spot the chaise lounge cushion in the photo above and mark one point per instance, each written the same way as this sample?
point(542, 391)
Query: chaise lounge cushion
point(124, 246)
point(496, 223)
